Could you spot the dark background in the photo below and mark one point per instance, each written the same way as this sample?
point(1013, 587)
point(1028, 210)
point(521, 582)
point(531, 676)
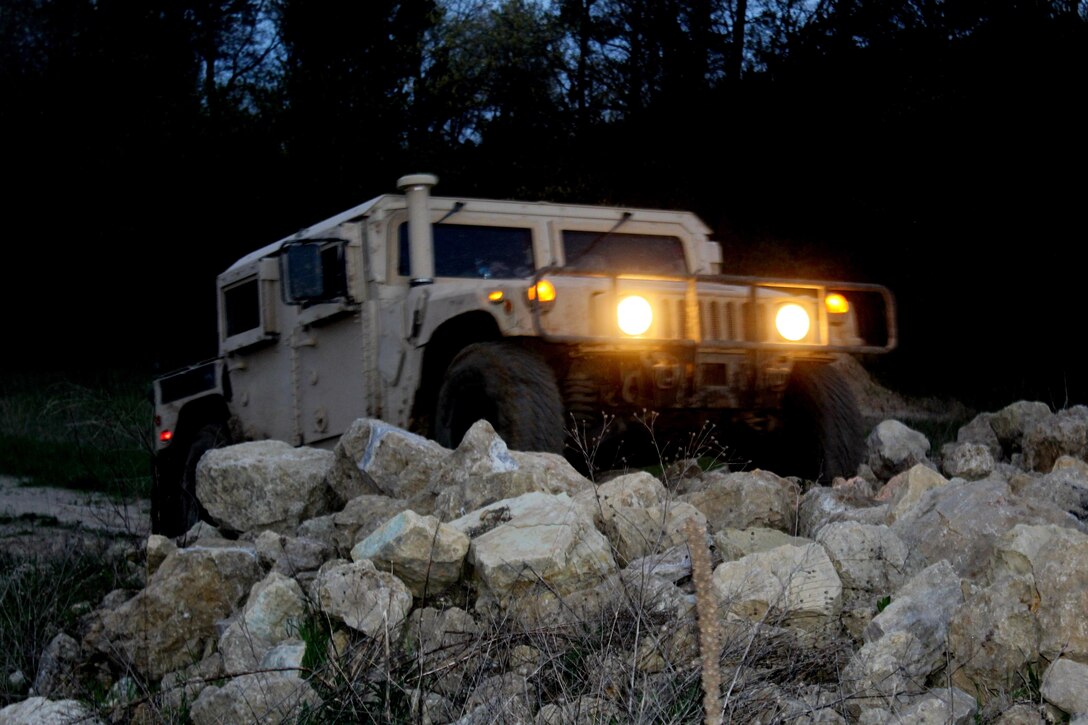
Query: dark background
point(937, 147)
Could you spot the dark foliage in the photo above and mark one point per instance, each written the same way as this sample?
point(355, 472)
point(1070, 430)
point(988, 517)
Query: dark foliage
point(934, 147)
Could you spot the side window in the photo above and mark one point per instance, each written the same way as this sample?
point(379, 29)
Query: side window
point(464, 250)
point(247, 314)
point(242, 307)
point(619, 253)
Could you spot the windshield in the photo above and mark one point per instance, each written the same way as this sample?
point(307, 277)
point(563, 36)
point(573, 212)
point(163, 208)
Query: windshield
point(624, 253)
point(463, 250)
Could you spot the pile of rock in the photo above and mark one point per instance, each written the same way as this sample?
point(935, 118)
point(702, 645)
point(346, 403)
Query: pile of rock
point(936, 586)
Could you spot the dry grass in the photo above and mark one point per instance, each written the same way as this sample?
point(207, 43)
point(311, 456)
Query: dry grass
point(626, 662)
point(44, 593)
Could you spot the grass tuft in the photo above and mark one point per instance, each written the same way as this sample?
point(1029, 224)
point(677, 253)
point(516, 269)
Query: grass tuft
point(45, 593)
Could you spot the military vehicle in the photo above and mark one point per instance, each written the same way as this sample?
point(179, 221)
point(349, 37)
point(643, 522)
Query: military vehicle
point(551, 321)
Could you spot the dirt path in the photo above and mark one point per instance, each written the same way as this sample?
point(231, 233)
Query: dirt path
point(33, 518)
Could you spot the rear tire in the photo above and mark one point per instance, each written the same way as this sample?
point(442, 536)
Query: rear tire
point(174, 506)
point(509, 386)
point(824, 433)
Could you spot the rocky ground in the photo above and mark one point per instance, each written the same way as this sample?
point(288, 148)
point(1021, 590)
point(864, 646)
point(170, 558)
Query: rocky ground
point(36, 519)
point(894, 580)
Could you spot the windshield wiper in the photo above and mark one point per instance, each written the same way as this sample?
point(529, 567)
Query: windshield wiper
point(457, 206)
point(589, 247)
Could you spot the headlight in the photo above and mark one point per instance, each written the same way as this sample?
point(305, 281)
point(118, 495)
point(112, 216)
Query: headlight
point(792, 322)
point(634, 315)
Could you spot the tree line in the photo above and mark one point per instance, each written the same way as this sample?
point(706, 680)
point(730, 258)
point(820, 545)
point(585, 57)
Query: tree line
point(814, 135)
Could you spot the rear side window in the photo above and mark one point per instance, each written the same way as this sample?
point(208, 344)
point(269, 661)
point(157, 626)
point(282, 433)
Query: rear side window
point(624, 253)
point(242, 307)
point(464, 250)
point(247, 315)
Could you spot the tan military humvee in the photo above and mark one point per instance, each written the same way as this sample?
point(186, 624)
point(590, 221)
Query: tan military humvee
point(549, 320)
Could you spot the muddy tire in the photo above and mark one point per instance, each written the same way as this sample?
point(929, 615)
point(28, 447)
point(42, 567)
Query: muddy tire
point(509, 386)
point(824, 431)
point(174, 505)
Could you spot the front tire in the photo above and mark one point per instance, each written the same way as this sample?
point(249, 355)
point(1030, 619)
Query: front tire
point(824, 430)
point(509, 386)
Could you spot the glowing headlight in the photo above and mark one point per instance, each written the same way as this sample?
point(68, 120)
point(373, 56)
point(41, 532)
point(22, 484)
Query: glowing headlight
point(792, 322)
point(634, 315)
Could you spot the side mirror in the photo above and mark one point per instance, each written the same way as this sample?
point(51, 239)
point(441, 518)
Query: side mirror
point(313, 271)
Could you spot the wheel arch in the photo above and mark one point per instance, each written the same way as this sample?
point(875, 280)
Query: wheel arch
point(194, 415)
point(168, 466)
point(448, 339)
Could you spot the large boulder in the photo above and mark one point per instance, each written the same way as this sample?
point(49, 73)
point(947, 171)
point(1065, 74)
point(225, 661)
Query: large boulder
point(966, 460)
point(1065, 685)
point(264, 485)
point(260, 698)
point(363, 515)
point(980, 430)
point(886, 673)
point(173, 619)
point(944, 705)
point(375, 458)
point(905, 489)
point(1063, 433)
point(924, 606)
point(894, 447)
point(1029, 609)
point(635, 513)
point(538, 541)
point(821, 505)
point(42, 711)
point(993, 639)
point(422, 552)
point(1011, 422)
point(292, 556)
point(1056, 559)
point(630, 489)
point(916, 620)
point(747, 499)
point(271, 614)
point(57, 668)
point(872, 563)
point(636, 531)
point(483, 470)
point(961, 522)
point(1065, 488)
point(373, 602)
point(794, 586)
point(733, 544)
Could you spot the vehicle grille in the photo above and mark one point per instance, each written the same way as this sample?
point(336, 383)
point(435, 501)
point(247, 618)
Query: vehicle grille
point(719, 319)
